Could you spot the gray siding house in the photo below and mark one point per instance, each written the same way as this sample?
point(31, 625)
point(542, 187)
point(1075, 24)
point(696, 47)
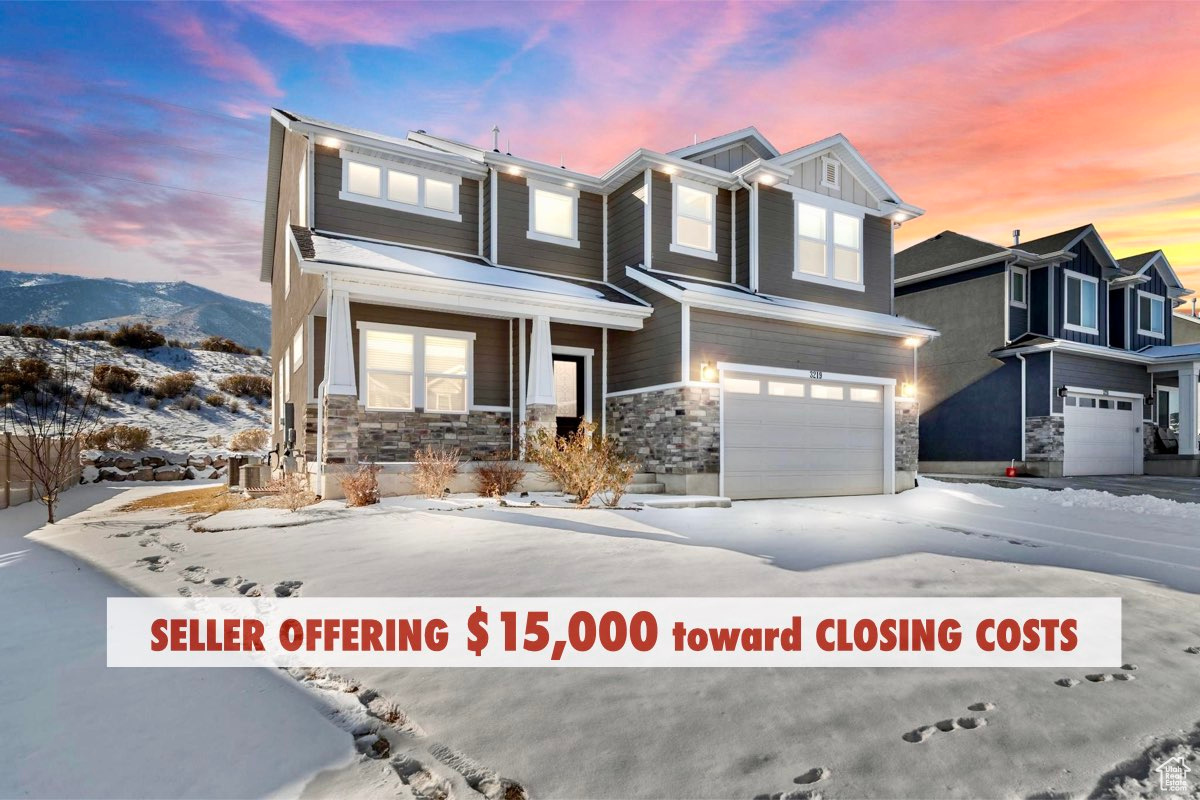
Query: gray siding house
point(725, 310)
point(1054, 355)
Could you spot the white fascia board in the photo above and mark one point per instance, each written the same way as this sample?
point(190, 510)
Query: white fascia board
point(850, 155)
point(950, 269)
point(535, 170)
point(758, 308)
point(1090, 230)
point(1078, 348)
point(889, 208)
point(640, 159)
point(719, 142)
point(399, 147)
point(757, 169)
point(421, 291)
point(1166, 271)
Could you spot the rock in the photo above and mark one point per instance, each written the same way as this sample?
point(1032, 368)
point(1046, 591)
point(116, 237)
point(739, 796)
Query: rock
point(109, 474)
point(177, 458)
point(144, 474)
point(189, 473)
point(198, 460)
point(104, 461)
point(153, 461)
point(168, 473)
point(219, 462)
point(124, 463)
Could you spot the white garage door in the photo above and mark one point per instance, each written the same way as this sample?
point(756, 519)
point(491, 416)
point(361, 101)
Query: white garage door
point(1101, 435)
point(786, 437)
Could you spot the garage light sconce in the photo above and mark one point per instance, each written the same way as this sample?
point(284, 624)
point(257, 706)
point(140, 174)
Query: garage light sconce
point(908, 389)
point(1062, 391)
point(1148, 399)
point(708, 371)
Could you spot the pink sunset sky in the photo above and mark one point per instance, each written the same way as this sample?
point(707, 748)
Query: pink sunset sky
point(135, 134)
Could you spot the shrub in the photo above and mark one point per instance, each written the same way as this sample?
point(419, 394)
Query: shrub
point(498, 478)
point(258, 351)
point(249, 440)
point(216, 400)
point(31, 331)
point(118, 437)
point(189, 402)
point(216, 440)
point(91, 336)
point(234, 406)
point(19, 377)
point(361, 485)
point(139, 337)
point(219, 344)
point(434, 470)
point(177, 343)
point(9, 329)
point(152, 403)
point(174, 384)
point(292, 489)
point(246, 385)
point(584, 463)
point(111, 379)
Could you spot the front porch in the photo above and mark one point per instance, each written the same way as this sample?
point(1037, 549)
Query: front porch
point(1173, 438)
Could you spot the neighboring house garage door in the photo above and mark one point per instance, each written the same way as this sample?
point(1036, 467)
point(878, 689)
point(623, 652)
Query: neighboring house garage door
point(1101, 435)
point(788, 437)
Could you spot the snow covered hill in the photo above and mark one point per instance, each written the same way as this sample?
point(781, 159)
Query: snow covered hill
point(178, 309)
point(171, 427)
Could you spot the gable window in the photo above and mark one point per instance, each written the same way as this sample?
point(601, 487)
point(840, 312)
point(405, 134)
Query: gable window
point(1080, 310)
point(405, 188)
point(831, 172)
point(829, 246)
point(693, 219)
point(553, 213)
point(409, 368)
point(1151, 315)
point(1016, 286)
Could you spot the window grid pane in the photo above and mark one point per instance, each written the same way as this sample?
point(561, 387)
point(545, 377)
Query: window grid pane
point(847, 265)
point(389, 390)
point(847, 231)
point(439, 195)
point(553, 213)
point(445, 394)
point(695, 203)
point(363, 179)
point(445, 356)
point(694, 233)
point(403, 187)
point(810, 221)
point(810, 257)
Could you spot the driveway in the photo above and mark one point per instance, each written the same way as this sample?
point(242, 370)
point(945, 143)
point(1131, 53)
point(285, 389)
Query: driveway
point(1182, 490)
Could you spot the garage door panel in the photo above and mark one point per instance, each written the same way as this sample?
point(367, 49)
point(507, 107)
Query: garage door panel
point(1098, 440)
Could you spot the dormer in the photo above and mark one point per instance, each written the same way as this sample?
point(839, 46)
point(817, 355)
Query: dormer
point(731, 151)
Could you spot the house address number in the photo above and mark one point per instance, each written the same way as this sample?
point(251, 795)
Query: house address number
point(816, 374)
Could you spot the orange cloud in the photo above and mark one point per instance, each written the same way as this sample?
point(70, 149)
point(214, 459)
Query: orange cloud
point(23, 218)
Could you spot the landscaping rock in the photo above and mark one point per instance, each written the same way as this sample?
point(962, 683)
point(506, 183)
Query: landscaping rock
point(198, 460)
point(168, 473)
point(153, 461)
point(125, 463)
point(144, 474)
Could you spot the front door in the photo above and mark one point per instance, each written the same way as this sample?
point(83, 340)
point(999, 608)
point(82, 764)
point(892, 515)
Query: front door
point(569, 400)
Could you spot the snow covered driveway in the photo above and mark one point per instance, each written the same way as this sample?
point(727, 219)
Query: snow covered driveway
point(750, 732)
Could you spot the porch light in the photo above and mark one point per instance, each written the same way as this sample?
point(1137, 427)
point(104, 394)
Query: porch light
point(1062, 391)
point(670, 170)
point(767, 180)
point(899, 217)
point(514, 170)
point(1148, 399)
point(908, 389)
point(913, 341)
point(708, 372)
point(329, 141)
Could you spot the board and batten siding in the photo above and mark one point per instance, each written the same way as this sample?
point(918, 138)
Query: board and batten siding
point(807, 175)
point(1157, 286)
point(662, 211)
point(651, 356)
point(777, 258)
point(626, 228)
point(717, 336)
point(516, 249)
point(730, 159)
point(1085, 263)
point(387, 224)
point(1071, 369)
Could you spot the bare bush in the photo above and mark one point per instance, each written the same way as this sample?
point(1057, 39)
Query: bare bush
point(139, 337)
point(174, 385)
point(153, 403)
point(216, 400)
point(216, 441)
point(584, 464)
point(188, 403)
point(20, 377)
point(249, 440)
point(361, 485)
point(246, 385)
point(111, 379)
point(434, 470)
point(93, 335)
point(292, 489)
point(498, 478)
point(118, 437)
point(219, 344)
point(31, 331)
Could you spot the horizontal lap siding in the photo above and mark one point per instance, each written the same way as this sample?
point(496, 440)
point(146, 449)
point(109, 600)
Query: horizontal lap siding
point(650, 356)
point(772, 343)
point(392, 225)
point(491, 343)
point(662, 210)
point(776, 224)
point(516, 249)
point(1098, 373)
point(626, 226)
point(742, 200)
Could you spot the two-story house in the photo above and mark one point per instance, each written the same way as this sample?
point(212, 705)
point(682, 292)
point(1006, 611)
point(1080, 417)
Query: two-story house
point(1054, 355)
point(725, 310)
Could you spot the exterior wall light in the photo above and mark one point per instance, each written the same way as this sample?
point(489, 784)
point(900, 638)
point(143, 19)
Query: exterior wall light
point(329, 141)
point(913, 341)
point(514, 170)
point(908, 389)
point(708, 371)
point(1062, 391)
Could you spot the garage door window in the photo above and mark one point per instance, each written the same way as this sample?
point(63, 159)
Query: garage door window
point(782, 389)
point(866, 395)
point(741, 386)
point(823, 392)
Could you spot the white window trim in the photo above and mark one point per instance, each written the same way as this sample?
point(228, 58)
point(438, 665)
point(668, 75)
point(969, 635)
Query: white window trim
point(588, 353)
point(711, 253)
point(418, 373)
point(837, 182)
point(1024, 301)
point(1154, 298)
point(384, 165)
point(533, 233)
point(830, 254)
point(1095, 282)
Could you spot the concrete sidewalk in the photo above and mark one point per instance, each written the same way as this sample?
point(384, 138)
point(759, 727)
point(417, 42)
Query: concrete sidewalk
point(1183, 490)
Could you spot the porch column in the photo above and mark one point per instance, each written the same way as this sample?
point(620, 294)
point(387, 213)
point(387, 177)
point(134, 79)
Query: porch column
point(1188, 376)
point(539, 385)
point(340, 402)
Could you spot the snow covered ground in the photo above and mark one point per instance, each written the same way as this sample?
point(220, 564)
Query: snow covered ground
point(172, 428)
point(725, 733)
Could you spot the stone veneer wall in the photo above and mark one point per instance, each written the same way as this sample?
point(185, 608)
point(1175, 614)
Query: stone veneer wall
point(908, 417)
point(341, 429)
point(1043, 438)
point(396, 435)
point(669, 431)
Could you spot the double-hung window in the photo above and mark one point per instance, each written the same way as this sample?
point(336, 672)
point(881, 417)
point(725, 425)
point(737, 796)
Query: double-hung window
point(553, 213)
point(1080, 304)
point(693, 219)
point(1017, 280)
point(829, 245)
point(1152, 315)
point(403, 187)
point(409, 368)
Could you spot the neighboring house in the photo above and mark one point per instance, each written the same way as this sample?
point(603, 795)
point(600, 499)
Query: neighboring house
point(1185, 327)
point(1053, 354)
point(724, 310)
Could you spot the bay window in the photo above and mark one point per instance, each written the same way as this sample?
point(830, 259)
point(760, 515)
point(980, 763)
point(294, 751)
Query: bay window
point(1080, 303)
point(693, 219)
point(1151, 315)
point(402, 187)
point(553, 213)
point(829, 246)
point(405, 369)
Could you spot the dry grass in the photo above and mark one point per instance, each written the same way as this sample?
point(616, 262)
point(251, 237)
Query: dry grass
point(209, 499)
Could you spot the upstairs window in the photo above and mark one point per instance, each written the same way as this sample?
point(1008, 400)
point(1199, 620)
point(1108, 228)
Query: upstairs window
point(693, 225)
point(408, 189)
point(553, 213)
point(1152, 315)
point(1016, 287)
point(409, 368)
point(1080, 306)
point(829, 246)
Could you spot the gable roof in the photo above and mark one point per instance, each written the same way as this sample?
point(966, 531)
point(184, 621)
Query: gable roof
point(943, 250)
point(846, 153)
point(1134, 264)
point(748, 136)
point(1055, 242)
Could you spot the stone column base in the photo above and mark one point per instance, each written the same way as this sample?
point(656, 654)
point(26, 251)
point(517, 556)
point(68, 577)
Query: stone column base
point(540, 417)
point(341, 429)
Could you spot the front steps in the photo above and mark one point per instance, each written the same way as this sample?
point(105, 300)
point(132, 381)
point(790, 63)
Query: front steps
point(645, 483)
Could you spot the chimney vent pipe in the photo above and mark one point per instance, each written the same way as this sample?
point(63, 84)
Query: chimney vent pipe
point(1016, 236)
point(495, 138)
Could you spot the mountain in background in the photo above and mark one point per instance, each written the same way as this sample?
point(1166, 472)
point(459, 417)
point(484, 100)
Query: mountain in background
point(178, 310)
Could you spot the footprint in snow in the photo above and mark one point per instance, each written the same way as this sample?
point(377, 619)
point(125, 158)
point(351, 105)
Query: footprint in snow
point(1067, 682)
point(1129, 667)
point(926, 732)
point(249, 589)
point(984, 706)
point(194, 574)
point(184, 591)
point(154, 563)
point(288, 588)
point(226, 581)
point(814, 775)
point(1194, 650)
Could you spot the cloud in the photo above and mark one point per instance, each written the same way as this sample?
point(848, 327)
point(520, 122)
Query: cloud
point(212, 45)
point(24, 218)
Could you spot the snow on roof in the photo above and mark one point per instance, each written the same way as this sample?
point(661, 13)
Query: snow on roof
point(1171, 350)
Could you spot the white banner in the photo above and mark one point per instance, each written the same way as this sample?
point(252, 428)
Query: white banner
point(615, 632)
